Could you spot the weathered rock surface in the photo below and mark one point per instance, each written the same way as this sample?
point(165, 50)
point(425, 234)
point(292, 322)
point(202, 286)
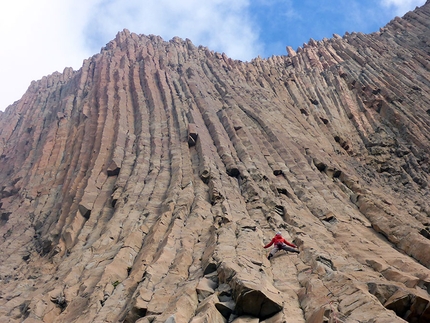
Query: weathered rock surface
point(142, 187)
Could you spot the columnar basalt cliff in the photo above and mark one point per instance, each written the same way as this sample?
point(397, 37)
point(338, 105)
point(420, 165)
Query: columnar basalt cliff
point(143, 187)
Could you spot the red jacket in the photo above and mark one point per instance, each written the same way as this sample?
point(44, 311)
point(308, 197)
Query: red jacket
point(279, 240)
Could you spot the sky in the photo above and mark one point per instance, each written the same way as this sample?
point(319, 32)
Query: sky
point(44, 36)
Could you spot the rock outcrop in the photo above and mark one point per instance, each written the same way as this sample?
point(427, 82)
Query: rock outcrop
point(143, 187)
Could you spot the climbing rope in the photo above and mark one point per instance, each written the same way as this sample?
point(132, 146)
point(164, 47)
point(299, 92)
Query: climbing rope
point(333, 312)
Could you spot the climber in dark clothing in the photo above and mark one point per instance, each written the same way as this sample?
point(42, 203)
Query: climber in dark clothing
point(280, 244)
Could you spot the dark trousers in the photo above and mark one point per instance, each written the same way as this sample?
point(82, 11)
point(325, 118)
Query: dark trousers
point(283, 246)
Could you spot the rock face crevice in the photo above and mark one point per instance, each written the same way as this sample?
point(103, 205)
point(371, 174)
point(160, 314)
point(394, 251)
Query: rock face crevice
point(143, 187)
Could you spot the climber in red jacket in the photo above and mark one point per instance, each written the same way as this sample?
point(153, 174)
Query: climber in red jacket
point(280, 243)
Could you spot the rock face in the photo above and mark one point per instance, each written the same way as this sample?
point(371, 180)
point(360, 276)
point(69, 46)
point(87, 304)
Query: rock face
point(143, 187)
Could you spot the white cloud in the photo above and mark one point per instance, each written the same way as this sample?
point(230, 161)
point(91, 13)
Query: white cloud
point(220, 24)
point(38, 38)
point(44, 36)
point(402, 6)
